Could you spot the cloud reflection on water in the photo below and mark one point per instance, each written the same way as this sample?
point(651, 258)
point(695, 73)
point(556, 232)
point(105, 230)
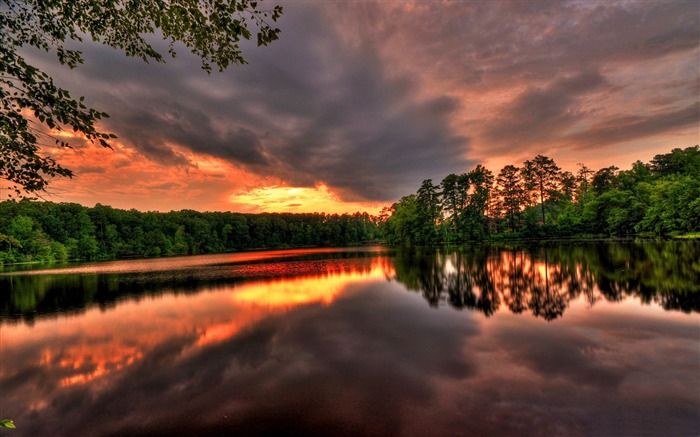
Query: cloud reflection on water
point(349, 352)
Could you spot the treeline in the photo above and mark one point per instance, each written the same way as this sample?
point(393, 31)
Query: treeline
point(533, 201)
point(49, 232)
point(539, 200)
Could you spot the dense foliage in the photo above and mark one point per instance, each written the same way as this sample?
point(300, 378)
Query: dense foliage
point(48, 232)
point(538, 200)
point(33, 109)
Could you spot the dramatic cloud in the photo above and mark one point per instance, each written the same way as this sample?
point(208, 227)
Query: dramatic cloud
point(369, 99)
point(537, 76)
point(541, 114)
point(625, 128)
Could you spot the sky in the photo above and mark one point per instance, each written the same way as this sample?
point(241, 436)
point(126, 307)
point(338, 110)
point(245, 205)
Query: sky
point(358, 102)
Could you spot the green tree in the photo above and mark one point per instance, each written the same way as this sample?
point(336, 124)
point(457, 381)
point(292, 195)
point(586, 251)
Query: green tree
point(453, 197)
point(542, 179)
point(604, 179)
point(568, 186)
point(679, 161)
point(87, 247)
point(427, 213)
point(22, 228)
point(475, 213)
point(30, 242)
point(481, 181)
point(32, 105)
point(674, 205)
point(584, 175)
point(510, 194)
point(401, 226)
point(180, 246)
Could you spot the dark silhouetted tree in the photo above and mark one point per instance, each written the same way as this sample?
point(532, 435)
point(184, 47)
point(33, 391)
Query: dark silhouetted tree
point(427, 212)
point(511, 195)
point(542, 179)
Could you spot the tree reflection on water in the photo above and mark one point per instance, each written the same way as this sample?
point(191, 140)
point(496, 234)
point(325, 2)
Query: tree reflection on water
point(541, 280)
point(333, 344)
point(30, 296)
point(544, 279)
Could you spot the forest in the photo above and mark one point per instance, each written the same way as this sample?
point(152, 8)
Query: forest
point(32, 231)
point(534, 201)
point(538, 200)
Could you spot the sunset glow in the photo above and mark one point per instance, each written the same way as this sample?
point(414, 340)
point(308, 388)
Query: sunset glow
point(300, 200)
point(351, 114)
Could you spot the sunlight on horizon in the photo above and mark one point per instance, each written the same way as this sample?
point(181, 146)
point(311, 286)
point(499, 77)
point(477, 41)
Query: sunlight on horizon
point(319, 199)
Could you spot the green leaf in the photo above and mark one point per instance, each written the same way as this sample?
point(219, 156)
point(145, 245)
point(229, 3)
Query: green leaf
point(210, 30)
point(6, 423)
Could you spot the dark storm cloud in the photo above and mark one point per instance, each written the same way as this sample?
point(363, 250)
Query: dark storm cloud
point(524, 52)
point(373, 97)
point(310, 108)
point(152, 126)
point(543, 113)
point(343, 120)
point(142, 130)
point(513, 41)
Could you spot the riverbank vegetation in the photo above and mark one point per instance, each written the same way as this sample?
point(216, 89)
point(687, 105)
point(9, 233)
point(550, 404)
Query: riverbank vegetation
point(534, 201)
point(33, 231)
point(538, 200)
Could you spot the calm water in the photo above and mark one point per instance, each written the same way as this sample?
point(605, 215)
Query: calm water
point(584, 339)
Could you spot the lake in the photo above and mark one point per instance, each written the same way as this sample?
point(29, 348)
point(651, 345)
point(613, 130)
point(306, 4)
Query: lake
point(589, 339)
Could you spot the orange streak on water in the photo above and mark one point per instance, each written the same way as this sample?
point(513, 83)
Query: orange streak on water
point(96, 346)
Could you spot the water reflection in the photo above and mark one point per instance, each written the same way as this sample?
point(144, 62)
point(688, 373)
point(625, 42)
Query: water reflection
point(333, 344)
point(52, 293)
point(99, 354)
point(92, 353)
point(543, 280)
point(538, 280)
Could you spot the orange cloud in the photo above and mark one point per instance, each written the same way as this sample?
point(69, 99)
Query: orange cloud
point(124, 178)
